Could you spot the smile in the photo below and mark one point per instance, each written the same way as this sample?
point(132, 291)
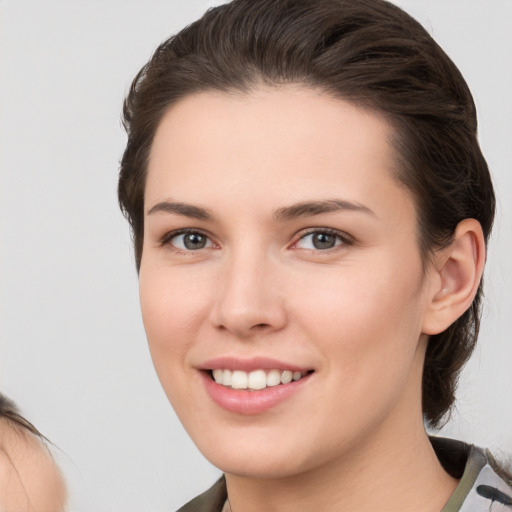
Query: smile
point(252, 386)
point(255, 380)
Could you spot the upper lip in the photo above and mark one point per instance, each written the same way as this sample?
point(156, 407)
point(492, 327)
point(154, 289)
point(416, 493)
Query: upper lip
point(251, 364)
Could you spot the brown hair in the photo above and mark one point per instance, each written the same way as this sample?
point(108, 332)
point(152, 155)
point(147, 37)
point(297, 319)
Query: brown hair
point(370, 53)
point(10, 412)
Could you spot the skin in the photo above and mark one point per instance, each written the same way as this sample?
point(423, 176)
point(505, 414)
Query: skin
point(30, 480)
point(358, 314)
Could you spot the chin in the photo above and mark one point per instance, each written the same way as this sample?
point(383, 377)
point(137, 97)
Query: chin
point(254, 454)
point(259, 467)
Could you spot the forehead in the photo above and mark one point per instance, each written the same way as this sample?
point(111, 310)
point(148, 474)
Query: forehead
point(291, 113)
point(290, 140)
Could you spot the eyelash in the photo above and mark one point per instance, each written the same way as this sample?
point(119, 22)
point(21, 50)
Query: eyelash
point(343, 239)
point(167, 239)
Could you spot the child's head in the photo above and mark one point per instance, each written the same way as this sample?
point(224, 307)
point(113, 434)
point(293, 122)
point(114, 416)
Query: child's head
point(30, 480)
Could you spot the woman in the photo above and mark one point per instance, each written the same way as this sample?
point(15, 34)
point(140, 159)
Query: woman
point(310, 210)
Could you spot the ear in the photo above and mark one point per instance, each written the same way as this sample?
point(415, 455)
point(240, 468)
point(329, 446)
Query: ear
point(454, 276)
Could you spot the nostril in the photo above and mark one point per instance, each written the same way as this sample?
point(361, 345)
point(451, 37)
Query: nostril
point(260, 326)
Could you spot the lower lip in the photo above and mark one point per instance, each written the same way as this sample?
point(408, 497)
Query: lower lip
point(251, 402)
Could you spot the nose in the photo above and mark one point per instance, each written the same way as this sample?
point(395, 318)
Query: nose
point(249, 300)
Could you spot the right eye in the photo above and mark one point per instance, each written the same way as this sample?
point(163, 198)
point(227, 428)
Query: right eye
point(189, 241)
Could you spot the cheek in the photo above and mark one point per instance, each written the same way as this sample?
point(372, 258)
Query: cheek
point(368, 333)
point(172, 310)
point(172, 305)
point(365, 318)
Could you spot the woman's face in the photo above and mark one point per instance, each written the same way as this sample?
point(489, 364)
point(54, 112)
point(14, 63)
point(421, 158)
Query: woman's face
point(279, 245)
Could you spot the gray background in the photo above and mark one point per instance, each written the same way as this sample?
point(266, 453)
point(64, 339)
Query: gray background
point(73, 351)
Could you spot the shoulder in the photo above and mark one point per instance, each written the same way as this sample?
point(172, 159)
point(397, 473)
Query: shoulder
point(211, 500)
point(29, 477)
point(483, 484)
point(488, 485)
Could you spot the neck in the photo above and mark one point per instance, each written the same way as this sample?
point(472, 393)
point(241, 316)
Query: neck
point(397, 470)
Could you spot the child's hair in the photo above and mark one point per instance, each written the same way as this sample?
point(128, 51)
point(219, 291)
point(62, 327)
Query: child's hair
point(10, 413)
point(370, 53)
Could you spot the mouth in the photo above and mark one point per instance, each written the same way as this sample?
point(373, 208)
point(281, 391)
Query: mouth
point(253, 386)
point(255, 380)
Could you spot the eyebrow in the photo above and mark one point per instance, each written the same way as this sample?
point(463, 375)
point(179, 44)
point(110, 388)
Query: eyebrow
point(187, 210)
point(311, 208)
point(303, 209)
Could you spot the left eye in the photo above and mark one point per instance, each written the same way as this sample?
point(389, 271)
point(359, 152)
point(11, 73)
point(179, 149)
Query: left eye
point(319, 240)
point(190, 241)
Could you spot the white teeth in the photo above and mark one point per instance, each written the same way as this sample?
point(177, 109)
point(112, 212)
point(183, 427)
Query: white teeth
point(286, 377)
point(239, 380)
point(273, 378)
point(257, 379)
point(227, 377)
point(218, 375)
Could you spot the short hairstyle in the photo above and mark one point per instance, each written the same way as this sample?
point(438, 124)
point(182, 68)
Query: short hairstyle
point(367, 52)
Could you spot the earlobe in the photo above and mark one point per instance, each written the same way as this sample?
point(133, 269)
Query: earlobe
point(456, 274)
